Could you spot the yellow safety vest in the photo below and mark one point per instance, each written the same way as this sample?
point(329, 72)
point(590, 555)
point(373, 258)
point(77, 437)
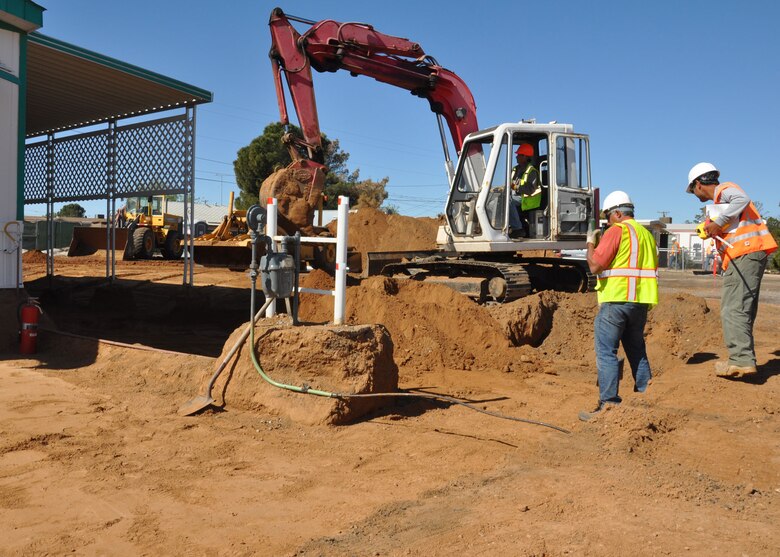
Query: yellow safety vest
point(533, 200)
point(633, 274)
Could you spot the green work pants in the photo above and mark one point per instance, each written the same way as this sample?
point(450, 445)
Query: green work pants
point(739, 306)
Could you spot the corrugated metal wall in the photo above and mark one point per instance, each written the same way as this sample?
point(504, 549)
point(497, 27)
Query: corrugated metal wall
point(10, 253)
point(9, 137)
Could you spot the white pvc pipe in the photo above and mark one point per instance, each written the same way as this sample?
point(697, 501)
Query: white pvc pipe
point(340, 302)
point(270, 230)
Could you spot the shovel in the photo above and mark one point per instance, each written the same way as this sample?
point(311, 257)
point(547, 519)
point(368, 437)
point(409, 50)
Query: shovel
point(204, 400)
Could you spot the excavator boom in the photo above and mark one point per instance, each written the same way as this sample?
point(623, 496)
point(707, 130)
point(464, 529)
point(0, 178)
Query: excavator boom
point(329, 46)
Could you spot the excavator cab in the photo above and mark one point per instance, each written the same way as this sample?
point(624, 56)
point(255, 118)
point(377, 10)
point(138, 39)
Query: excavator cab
point(480, 205)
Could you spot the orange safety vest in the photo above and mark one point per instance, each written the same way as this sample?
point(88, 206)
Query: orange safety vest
point(748, 235)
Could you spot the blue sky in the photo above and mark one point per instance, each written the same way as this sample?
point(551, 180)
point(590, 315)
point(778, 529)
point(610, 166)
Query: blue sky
point(658, 86)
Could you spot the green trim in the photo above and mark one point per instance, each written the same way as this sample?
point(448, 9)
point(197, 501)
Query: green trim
point(201, 94)
point(27, 14)
point(9, 27)
point(26, 10)
point(21, 126)
point(9, 77)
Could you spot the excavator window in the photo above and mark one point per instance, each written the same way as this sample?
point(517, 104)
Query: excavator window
point(571, 170)
point(495, 207)
point(468, 180)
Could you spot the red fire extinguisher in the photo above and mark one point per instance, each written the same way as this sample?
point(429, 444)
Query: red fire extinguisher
point(29, 313)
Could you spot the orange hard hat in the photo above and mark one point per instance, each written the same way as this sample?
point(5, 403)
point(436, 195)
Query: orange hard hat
point(525, 149)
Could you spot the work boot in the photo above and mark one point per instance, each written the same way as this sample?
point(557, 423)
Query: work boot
point(725, 369)
point(586, 416)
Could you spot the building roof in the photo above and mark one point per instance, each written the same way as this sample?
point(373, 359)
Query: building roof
point(70, 87)
point(212, 214)
point(22, 14)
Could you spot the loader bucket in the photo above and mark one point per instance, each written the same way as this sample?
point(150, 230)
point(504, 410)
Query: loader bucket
point(225, 254)
point(89, 239)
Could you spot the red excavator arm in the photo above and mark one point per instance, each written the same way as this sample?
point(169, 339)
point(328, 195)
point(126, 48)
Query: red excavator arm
point(356, 47)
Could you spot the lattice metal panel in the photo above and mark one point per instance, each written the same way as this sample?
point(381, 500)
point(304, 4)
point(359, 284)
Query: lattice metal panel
point(80, 167)
point(152, 158)
point(35, 173)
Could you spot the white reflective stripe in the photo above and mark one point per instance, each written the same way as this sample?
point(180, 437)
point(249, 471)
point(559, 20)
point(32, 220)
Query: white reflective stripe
point(747, 235)
point(636, 273)
point(751, 221)
point(631, 295)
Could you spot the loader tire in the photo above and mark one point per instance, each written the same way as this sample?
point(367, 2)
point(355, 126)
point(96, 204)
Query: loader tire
point(325, 258)
point(173, 247)
point(143, 243)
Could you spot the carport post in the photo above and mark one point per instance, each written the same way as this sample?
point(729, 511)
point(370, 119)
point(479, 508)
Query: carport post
point(270, 230)
point(340, 303)
point(49, 206)
point(111, 201)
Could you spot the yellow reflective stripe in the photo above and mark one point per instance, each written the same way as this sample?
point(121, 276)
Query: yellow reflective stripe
point(524, 179)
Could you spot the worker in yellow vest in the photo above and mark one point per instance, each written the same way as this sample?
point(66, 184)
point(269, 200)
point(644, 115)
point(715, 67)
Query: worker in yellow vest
point(744, 242)
point(625, 261)
point(526, 192)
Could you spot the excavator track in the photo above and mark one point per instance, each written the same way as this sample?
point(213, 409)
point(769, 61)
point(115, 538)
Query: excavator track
point(497, 281)
point(563, 275)
point(482, 280)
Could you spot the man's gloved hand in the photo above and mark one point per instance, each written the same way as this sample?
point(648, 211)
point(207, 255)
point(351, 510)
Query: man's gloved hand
point(594, 236)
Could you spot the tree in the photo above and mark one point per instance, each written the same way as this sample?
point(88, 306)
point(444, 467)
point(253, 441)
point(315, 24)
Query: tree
point(773, 225)
point(361, 193)
point(267, 154)
point(701, 216)
point(71, 210)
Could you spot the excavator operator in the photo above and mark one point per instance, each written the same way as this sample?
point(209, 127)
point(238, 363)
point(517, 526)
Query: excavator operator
point(526, 192)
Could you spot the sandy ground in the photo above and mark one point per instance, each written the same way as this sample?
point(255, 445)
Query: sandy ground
point(94, 459)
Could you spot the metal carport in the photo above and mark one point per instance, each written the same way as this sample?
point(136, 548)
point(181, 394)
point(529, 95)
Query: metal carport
point(69, 87)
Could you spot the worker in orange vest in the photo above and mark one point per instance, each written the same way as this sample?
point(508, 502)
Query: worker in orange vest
point(744, 244)
point(674, 254)
point(710, 261)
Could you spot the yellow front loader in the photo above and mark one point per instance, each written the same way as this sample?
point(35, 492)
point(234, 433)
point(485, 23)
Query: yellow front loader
point(142, 227)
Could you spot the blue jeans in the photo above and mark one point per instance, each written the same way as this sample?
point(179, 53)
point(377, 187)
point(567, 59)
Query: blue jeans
point(615, 323)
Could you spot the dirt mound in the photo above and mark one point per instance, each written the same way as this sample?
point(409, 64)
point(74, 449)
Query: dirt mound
point(555, 319)
point(373, 230)
point(639, 429)
point(432, 326)
point(351, 359)
point(675, 325)
point(34, 256)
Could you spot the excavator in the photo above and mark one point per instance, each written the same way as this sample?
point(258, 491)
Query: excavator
point(477, 254)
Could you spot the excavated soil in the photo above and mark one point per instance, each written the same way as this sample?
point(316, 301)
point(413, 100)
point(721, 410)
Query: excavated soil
point(95, 460)
point(373, 230)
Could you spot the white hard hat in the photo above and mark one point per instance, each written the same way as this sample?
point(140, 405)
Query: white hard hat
point(615, 200)
point(699, 170)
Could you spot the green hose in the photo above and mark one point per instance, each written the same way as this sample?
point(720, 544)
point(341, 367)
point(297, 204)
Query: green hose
point(309, 391)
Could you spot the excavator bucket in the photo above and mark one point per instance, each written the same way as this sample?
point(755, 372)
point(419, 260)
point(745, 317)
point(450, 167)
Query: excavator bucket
point(89, 239)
